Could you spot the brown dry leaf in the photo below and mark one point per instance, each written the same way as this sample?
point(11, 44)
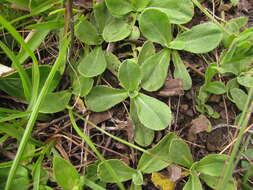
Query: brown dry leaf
point(84, 3)
point(198, 125)
point(172, 87)
point(175, 172)
point(99, 117)
point(162, 181)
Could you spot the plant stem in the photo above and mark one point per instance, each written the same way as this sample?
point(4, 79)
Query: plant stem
point(92, 146)
point(197, 4)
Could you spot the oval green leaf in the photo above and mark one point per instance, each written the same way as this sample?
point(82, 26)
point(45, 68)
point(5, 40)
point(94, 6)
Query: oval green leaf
point(118, 29)
point(152, 113)
point(87, 33)
point(215, 87)
point(245, 80)
point(130, 75)
point(82, 86)
point(158, 158)
point(102, 98)
point(155, 26)
point(123, 171)
point(119, 7)
point(199, 39)
point(193, 183)
point(154, 70)
point(179, 11)
point(62, 167)
point(93, 64)
point(211, 164)
point(147, 50)
point(239, 97)
point(55, 102)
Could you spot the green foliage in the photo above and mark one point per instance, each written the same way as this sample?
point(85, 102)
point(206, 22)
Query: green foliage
point(199, 39)
point(62, 167)
point(158, 32)
point(193, 183)
point(93, 64)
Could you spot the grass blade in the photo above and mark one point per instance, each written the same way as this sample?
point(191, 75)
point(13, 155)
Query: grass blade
point(34, 113)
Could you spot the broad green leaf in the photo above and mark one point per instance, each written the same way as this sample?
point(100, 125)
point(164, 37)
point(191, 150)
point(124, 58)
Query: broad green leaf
point(239, 97)
point(117, 29)
point(152, 113)
point(119, 7)
point(130, 75)
point(159, 32)
point(142, 135)
point(140, 4)
point(147, 50)
point(199, 39)
point(113, 63)
point(193, 183)
point(181, 71)
point(12, 84)
point(21, 179)
point(55, 102)
point(212, 182)
point(179, 12)
point(87, 33)
point(234, 1)
point(102, 98)
point(82, 86)
point(93, 64)
point(215, 87)
point(123, 171)
point(158, 158)
point(155, 70)
point(65, 174)
point(211, 164)
point(180, 153)
point(102, 15)
point(245, 80)
point(135, 34)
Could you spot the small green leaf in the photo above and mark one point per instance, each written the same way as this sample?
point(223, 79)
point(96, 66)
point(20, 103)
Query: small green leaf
point(113, 63)
point(181, 71)
point(147, 50)
point(82, 86)
point(180, 153)
point(102, 15)
point(215, 87)
point(119, 7)
point(210, 72)
point(152, 113)
point(211, 164)
point(140, 4)
point(199, 39)
point(229, 86)
point(65, 174)
point(87, 33)
point(93, 64)
point(155, 70)
point(20, 181)
point(130, 75)
point(159, 32)
point(142, 135)
point(212, 182)
point(138, 178)
point(179, 12)
point(158, 158)
point(239, 97)
point(245, 80)
point(55, 102)
point(102, 98)
point(193, 183)
point(123, 171)
point(118, 29)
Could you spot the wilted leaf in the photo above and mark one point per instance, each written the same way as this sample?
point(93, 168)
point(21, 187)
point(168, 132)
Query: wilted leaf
point(163, 182)
point(172, 87)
